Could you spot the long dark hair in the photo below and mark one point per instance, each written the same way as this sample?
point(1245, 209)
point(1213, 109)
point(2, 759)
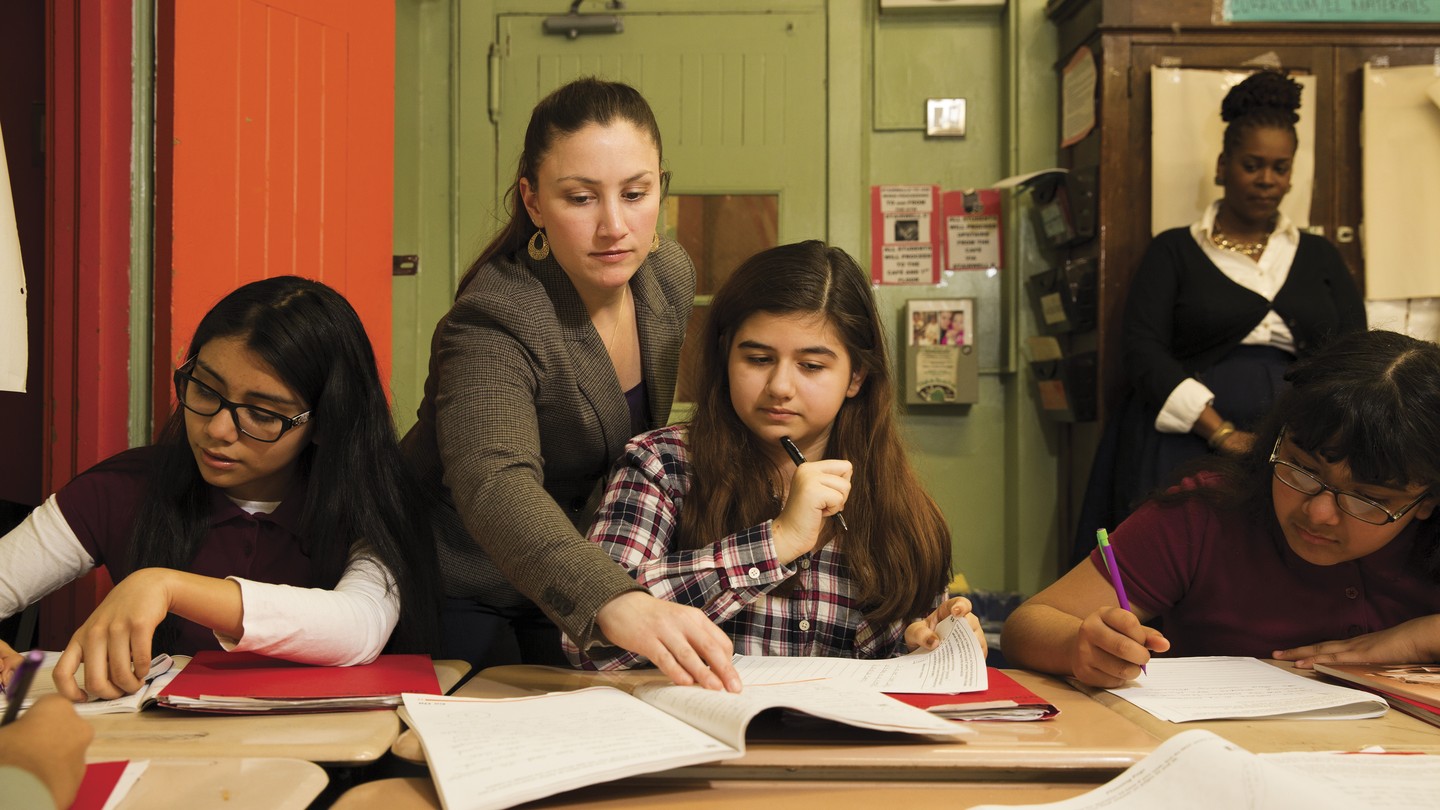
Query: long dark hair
point(565, 111)
point(1264, 100)
point(1370, 399)
point(359, 489)
point(898, 546)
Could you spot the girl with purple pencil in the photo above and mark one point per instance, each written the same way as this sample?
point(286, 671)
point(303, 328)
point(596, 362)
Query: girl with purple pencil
point(1318, 545)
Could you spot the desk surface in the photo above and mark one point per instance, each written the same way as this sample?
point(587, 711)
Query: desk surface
point(233, 784)
point(1395, 731)
point(336, 738)
point(419, 794)
point(1086, 743)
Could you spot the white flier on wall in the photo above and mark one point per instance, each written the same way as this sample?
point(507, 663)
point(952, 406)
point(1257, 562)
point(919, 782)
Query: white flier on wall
point(14, 347)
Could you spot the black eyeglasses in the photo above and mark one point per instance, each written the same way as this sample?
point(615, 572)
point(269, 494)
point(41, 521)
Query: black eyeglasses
point(1357, 506)
point(257, 423)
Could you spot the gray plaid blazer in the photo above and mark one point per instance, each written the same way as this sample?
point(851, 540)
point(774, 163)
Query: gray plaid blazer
point(522, 418)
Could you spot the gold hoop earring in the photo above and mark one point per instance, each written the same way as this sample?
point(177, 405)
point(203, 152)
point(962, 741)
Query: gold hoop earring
point(539, 248)
point(655, 242)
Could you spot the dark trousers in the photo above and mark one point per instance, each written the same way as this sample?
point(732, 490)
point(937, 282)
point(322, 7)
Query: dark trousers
point(486, 636)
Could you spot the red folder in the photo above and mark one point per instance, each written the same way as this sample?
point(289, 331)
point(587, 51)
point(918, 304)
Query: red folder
point(1004, 700)
point(219, 681)
point(97, 785)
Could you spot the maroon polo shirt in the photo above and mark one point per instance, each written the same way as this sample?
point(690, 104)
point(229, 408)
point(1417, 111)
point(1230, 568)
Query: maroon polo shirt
point(1225, 587)
point(101, 504)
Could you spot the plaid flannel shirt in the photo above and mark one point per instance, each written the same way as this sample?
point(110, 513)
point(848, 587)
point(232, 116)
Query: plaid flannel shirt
point(732, 578)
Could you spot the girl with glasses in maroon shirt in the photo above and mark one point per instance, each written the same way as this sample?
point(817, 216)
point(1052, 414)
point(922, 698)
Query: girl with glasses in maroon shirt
point(1318, 545)
point(274, 514)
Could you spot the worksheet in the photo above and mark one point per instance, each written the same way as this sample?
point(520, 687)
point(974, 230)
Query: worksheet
point(1200, 770)
point(1217, 688)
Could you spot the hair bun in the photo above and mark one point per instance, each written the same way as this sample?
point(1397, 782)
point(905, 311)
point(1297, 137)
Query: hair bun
point(1267, 90)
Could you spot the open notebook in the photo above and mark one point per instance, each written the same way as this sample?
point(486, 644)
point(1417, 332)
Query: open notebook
point(162, 669)
point(486, 754)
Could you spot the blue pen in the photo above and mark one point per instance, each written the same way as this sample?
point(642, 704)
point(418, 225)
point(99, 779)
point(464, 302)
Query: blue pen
point(1107, 553)
point(20, 686)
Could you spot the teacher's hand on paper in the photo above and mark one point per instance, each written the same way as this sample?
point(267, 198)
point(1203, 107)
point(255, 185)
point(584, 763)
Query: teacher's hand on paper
point(818, 490)
point(1111, 646)
point(922, 634)
point(679, 639)
point(1414, 642)
point(49, 740)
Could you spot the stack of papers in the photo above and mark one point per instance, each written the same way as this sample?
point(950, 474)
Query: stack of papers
point(244, 683)
point(1217, 688)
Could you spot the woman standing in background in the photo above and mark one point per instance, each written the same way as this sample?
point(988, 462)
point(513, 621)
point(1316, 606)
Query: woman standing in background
point(1219, 310)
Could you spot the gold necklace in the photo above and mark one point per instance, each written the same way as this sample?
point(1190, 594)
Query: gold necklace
point(1247, 249)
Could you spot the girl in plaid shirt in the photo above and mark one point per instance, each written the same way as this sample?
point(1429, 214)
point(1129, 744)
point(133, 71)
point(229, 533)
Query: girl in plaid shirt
point(716, 515)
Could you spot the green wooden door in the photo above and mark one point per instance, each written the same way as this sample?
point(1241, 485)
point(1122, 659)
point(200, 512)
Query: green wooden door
point(741, 102)
point(740, 98)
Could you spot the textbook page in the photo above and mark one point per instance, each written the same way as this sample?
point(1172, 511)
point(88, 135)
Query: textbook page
point(1221, 687)
point(162, 671)
point(725, 715)
point(956, 665)
point(1392, 781)
point(487, 754)
point(1199, 770)
point(490, 753)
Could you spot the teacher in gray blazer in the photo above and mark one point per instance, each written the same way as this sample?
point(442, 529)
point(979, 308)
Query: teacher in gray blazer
point(563, 342)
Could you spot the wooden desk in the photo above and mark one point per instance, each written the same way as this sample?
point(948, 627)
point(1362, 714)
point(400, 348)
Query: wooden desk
point(1086, 743)
point(332, 738)
point(419, 794)
point(234, 784)
point(1395, 731)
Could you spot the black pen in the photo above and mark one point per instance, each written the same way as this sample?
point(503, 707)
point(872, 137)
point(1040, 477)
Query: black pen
point(20, 687)
point(799, 458)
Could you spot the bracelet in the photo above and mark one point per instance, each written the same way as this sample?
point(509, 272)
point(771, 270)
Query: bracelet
point(1221, 434)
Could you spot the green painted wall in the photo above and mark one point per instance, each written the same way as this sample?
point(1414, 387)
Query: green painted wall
point(992, 467)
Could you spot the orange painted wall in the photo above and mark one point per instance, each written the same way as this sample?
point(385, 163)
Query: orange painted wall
point(274, 155)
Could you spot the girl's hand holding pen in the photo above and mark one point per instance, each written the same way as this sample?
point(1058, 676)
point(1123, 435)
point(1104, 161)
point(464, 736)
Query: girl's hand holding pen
point(818, 490)
point(1111, 647)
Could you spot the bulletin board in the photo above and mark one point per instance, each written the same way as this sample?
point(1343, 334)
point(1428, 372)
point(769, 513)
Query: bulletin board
point(1400, 127)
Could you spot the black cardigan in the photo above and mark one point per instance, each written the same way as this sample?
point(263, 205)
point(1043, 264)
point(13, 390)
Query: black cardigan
point(1183, 314)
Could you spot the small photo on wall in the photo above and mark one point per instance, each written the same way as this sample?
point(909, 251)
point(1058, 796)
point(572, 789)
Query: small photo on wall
point(941, 322)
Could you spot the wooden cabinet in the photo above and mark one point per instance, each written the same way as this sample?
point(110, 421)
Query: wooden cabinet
point(1128, 38)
